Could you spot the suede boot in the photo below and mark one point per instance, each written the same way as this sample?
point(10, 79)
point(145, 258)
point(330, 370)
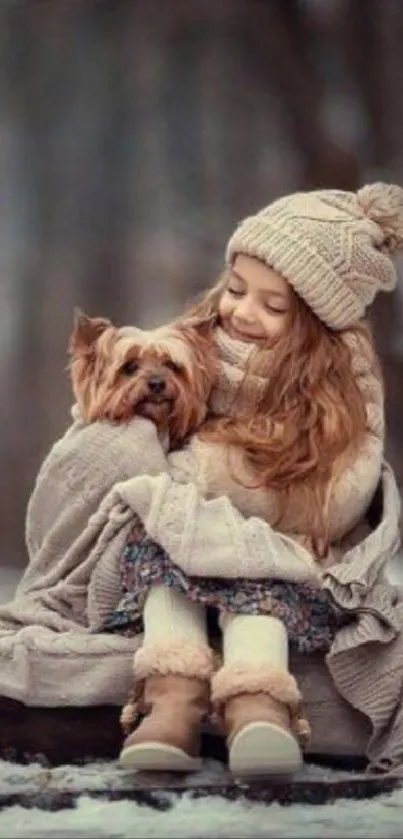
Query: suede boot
point(168, 737)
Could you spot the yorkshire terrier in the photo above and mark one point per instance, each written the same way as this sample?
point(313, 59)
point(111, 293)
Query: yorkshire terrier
point(165, 374)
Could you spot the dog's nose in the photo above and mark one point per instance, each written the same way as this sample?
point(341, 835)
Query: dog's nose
point(156, 384)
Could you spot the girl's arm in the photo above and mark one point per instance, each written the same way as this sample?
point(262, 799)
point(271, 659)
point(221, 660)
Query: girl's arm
point(354, 490)
point(210, 538)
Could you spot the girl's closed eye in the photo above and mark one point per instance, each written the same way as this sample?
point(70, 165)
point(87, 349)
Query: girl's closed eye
point(275, 310)
point(236, 292)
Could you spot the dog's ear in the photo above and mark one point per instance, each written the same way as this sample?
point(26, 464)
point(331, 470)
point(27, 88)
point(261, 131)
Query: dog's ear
point(82, 351)
point(86, 331)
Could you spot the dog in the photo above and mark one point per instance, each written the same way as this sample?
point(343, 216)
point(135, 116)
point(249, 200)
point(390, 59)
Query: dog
point(165, 374)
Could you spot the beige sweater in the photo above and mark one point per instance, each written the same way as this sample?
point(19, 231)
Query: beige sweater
point(205, 464)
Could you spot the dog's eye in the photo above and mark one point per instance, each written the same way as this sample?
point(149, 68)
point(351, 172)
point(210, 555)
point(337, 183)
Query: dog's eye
point(129, 368)
point(171, 365)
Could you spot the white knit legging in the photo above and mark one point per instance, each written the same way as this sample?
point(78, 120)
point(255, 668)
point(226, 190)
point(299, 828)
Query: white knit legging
point(175, 633)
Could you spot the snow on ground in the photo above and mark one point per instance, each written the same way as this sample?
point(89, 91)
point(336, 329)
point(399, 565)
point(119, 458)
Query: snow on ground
point(211, 817)
point(186, 817)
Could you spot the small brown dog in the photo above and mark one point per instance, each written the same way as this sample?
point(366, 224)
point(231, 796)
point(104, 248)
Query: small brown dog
point(164, 374)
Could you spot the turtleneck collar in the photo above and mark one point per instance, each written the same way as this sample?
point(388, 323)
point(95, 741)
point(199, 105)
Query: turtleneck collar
point(237, 390)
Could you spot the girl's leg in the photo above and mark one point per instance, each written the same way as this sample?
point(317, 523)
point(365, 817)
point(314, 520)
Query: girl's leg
point(257, 696)
point(174, 665)
point(175, 635)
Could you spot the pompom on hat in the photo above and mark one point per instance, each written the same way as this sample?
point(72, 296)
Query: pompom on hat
point(334, 247)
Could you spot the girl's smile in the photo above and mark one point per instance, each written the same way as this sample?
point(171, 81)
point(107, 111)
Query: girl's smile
point(255, 305)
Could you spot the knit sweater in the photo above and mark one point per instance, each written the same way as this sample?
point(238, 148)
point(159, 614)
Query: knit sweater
point(206, 464)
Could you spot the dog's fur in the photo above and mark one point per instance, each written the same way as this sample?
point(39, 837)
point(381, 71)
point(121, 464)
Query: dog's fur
point(164, 374)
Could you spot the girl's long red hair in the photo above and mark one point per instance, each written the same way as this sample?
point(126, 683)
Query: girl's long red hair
point(311, 418)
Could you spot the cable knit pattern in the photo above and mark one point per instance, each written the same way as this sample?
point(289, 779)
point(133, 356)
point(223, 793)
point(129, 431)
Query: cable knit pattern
point(334, 247)
point(233, 394)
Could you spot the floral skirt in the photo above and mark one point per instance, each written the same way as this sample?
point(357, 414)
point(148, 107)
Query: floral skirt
point(309, 614)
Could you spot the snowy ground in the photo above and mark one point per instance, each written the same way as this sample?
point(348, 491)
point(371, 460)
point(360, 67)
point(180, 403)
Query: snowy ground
point(187, 818)
point(184, 816)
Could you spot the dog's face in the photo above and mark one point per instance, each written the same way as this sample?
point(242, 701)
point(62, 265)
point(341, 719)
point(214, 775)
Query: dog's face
point(164, 374)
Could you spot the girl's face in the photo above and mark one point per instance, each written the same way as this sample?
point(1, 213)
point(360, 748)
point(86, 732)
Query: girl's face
point(256, 303)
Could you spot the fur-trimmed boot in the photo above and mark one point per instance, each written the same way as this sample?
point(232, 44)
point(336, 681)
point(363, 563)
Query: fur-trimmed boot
point(173, 670)
point(257, 699)
point(168, 736)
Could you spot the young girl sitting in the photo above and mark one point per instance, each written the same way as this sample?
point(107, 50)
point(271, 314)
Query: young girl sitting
point(295, 439)
point(264, 515)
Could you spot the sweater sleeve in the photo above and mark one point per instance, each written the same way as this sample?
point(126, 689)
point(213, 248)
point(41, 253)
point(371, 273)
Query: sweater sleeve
point(353, 491)
point(363, 556)
point(355, 487)
point(211, 538)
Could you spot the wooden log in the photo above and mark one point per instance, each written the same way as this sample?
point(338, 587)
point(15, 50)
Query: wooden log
point(56, 737)
point(160, 791)
point(67, 735)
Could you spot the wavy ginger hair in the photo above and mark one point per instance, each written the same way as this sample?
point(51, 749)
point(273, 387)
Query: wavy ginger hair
point(311, 418)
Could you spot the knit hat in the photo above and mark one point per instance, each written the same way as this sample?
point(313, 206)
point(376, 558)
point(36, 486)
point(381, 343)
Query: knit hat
point(334, 247)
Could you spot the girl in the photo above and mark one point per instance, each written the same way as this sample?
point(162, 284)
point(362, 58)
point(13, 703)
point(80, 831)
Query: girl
point(296, 437)
point(295, 441)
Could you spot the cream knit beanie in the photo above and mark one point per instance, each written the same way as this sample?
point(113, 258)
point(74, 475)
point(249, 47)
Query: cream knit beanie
point(334, 247)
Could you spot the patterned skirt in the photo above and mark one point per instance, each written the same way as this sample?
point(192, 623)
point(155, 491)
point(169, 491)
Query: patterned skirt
point(308, 612)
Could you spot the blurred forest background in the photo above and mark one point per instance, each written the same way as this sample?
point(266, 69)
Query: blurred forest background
point(133, 136)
